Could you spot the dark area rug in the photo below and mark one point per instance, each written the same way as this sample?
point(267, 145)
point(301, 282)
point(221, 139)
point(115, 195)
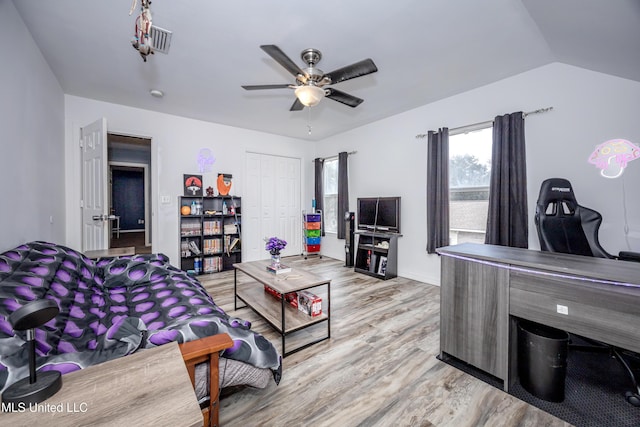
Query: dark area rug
point(595, 390)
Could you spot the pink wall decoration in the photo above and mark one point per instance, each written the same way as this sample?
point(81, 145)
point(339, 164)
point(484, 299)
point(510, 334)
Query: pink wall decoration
point(612, 157)
point(205, 160)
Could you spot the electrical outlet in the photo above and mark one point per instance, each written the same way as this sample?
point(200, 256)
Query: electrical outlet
point(562, 309)
point(141, 221)
point(165, 199)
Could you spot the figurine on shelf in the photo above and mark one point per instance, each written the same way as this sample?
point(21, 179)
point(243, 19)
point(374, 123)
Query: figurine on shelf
point(209, 191)
point(224, 183)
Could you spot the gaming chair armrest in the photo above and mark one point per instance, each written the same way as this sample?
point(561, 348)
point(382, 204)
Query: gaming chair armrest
point(629, 256)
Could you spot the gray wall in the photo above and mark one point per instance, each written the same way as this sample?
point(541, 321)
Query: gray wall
point(32, 204)
point(589, 108)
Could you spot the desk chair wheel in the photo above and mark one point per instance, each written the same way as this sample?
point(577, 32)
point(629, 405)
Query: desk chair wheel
point(632, 398)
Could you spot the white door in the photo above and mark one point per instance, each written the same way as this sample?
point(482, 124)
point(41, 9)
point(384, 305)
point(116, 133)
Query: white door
point(271, 205)
point(95, 222)
point(288, 214)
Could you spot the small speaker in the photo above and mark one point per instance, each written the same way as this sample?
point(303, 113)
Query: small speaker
point(349, 239)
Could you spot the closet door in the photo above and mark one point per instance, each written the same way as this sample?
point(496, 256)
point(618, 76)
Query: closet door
point(272, 205)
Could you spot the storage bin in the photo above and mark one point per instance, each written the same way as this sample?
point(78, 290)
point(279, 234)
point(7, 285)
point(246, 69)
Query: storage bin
point(313, 248)
point(313, 217)
point(312, 226)
point(312, 233)
point(313, 240)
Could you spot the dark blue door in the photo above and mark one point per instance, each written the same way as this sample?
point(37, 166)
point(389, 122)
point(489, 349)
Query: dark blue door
point(128, 198)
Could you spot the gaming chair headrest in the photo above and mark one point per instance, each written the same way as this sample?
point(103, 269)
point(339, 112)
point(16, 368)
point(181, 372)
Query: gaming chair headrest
point(555, 189)
point(556, 198)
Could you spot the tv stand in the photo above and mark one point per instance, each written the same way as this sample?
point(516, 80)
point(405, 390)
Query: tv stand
point(377, 254)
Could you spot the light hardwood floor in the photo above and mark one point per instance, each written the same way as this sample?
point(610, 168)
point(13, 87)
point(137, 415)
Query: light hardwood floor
point(378, 369)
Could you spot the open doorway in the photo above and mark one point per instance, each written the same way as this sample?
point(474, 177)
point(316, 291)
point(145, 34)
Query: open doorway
point(129, 160)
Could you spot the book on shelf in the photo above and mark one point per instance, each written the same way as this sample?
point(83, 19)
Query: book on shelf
point(194, 247)
point(212, 246)
point(212, 264)
point(230, 229)
point(282, 269)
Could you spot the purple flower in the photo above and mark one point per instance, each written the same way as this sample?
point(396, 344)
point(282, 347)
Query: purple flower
point(275, 245)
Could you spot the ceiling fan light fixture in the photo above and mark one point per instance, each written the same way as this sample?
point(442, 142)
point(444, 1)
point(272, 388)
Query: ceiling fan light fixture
point(309, 95)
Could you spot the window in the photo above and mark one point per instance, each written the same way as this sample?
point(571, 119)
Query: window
point(330, 183)
point(469, 175)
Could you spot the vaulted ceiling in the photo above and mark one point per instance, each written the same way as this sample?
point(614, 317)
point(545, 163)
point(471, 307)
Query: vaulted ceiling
point(425, 50)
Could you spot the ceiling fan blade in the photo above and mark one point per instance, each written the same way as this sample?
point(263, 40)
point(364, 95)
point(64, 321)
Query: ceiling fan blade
point(297, 105)
point(282, 59)
point(362, 68)
point(259, 87)
point(344, 98)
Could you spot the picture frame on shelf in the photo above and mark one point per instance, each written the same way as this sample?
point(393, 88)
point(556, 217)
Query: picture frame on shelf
point(382, 268)
point(192, 185)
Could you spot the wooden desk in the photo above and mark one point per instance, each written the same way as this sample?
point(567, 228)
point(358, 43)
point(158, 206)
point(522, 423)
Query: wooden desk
point(484, 288)
point(113, 252)
point(151, 387)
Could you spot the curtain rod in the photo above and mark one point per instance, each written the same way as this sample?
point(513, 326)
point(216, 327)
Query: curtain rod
point(333, 157)
point(480, 125)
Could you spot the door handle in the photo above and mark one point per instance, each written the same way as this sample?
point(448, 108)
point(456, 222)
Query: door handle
point(99, 217)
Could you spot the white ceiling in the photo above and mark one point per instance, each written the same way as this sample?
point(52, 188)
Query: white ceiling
point(425, 50)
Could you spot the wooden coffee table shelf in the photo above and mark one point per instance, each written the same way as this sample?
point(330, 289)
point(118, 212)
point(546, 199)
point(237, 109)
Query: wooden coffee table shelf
point(284, 318)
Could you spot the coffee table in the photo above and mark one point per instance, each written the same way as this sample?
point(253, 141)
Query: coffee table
point(282, 317)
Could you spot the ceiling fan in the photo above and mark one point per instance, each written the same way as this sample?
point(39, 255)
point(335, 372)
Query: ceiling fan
point(310, 82)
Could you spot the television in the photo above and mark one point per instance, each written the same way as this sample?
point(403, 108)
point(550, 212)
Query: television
point(379, 214)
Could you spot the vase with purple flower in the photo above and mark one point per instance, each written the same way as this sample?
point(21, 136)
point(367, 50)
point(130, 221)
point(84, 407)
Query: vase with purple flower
point(274, 246)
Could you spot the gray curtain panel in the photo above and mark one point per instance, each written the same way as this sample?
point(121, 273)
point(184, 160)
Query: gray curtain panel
point(507, 218)
point(437, 189)
point(343, 192)
point(319, 190)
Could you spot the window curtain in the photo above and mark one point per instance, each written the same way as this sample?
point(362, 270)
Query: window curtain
point(319, 190)
point(343, 192)
point(437, 189)
point(507, 218)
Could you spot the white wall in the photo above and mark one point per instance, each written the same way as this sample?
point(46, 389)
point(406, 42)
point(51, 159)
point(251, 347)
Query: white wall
point(588, 109)
point(31, 139)
point(175, 143)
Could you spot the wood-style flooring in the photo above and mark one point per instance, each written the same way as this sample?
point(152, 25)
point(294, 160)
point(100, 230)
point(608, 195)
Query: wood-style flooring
point(378, 369)
point(126, 239)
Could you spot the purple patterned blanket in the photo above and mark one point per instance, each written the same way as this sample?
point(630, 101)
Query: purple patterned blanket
point(110, 308)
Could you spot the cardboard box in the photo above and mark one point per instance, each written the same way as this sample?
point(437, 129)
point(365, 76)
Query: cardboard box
point(291, 297)
point(309, 303)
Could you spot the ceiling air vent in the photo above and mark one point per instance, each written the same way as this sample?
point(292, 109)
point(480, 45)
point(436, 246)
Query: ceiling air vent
point(161, 39)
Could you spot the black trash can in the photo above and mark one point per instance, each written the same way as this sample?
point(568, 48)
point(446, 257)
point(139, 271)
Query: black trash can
point(542, 360)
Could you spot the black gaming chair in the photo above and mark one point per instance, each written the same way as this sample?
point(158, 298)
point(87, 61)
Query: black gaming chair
point(565, 226)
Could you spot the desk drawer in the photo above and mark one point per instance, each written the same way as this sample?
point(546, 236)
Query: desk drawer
point(607, 313)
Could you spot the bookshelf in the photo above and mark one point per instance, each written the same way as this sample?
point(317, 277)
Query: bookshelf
point(210, 235)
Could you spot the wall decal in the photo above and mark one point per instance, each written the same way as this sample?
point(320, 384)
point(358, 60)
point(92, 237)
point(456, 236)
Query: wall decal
point(205, 160)
point(612, 157)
